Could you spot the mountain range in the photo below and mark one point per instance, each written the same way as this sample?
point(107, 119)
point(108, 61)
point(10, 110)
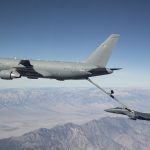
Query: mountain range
point(24, 110)
point(107, 133)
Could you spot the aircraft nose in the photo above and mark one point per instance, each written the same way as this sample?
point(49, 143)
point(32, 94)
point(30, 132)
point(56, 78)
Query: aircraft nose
point(114, 110)
point(111, 110)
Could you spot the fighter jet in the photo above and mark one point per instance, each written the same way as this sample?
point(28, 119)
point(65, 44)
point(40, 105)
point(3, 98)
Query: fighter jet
point(94, 65)
point(130, 113)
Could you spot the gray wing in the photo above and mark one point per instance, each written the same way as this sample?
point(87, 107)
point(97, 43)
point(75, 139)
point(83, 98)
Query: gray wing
point(26, 63)
point(27, 69)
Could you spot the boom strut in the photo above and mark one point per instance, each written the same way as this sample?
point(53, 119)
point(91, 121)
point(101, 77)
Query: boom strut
point(109, 94)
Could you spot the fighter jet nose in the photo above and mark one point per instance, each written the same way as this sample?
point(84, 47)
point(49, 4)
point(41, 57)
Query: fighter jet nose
point(116, 110)
point(109, 110)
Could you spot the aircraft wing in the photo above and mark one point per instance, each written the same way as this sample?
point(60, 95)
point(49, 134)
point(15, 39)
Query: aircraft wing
point(26, 63)
point(25, 68)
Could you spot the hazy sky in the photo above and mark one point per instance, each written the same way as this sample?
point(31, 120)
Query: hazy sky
point(70, 30)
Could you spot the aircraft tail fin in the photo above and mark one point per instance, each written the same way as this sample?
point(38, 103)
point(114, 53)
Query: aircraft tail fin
point(101, 55)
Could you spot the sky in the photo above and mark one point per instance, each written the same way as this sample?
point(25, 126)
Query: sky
point(69, 30)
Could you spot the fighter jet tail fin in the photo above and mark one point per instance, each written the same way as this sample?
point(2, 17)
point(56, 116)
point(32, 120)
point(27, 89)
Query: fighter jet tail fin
point(101, 55)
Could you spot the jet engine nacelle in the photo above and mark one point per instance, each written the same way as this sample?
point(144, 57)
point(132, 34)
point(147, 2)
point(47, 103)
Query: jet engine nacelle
point(9, 75)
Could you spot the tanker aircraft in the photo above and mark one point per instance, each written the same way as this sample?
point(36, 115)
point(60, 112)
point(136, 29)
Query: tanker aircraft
point(94, 65)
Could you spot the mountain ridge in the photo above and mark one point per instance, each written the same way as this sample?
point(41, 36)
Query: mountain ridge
point(107, 133)
point(24, 110)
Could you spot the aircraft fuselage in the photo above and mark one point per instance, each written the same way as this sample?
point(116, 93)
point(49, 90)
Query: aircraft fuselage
point(130, 113)
point(94, 65)
point(50, 69)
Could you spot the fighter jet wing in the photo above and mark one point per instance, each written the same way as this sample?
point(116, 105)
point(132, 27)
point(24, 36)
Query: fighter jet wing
point(26, 63)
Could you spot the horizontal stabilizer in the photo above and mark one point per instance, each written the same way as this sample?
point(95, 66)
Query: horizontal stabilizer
point(113, 69)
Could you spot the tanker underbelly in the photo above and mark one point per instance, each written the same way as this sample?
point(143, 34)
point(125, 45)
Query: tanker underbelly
point(70, 75)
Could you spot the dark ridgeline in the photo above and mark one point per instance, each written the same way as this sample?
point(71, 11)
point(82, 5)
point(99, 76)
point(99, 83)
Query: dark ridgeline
point(104, 134)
